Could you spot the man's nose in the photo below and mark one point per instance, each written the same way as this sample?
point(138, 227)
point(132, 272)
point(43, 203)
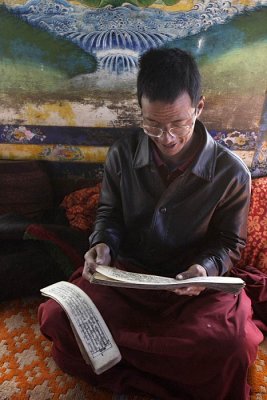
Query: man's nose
point(166, 136)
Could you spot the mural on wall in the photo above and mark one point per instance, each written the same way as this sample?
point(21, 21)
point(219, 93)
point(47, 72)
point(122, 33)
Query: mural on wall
point(72, 65)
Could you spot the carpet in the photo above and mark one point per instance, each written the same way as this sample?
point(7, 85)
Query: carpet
point(28, 372)
point(258, 374)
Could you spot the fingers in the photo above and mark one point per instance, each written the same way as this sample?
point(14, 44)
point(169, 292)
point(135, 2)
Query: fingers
point(97, 255)
point(89, 263)
point(189, 291)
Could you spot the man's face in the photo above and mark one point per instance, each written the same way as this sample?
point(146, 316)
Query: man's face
point(171, 116)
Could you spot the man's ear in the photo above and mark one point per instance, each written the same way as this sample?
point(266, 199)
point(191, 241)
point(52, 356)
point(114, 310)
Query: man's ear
point(200, 105)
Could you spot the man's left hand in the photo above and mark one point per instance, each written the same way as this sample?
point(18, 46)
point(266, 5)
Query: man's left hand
point(194, 271)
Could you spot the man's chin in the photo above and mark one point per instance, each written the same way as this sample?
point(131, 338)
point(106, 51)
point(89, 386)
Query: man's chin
point(170, 151)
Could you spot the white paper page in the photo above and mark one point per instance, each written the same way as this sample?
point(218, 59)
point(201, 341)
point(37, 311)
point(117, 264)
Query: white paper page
point(88, 323)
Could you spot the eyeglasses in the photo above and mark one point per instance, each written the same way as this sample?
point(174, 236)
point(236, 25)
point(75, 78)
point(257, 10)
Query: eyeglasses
point(177, 131)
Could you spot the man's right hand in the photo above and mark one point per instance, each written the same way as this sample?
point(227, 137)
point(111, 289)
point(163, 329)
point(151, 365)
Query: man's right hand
point(97, 255)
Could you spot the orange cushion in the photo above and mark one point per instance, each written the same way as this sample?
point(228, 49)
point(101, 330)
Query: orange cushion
point(255, 252)
point(80, 207)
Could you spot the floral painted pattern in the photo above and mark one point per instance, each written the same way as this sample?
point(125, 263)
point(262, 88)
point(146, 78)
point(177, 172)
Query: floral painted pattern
point(21, 134)
point(237, 140)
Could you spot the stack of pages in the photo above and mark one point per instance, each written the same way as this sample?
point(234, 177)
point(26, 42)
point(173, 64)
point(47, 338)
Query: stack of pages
point(115, 277)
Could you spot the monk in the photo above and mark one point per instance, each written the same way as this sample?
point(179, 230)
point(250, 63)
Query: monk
point(173, 203)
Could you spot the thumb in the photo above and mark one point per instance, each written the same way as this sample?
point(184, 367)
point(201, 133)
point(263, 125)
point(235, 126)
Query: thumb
point(100, 259)
point(184, 275)
point(101, 254)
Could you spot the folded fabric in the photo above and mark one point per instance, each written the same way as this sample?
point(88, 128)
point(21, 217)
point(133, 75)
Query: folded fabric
point(256, 284)
point(25, 267)
point(13, 226)
point(65, 245)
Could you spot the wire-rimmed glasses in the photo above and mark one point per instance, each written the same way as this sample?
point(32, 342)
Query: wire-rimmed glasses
point(176, 131)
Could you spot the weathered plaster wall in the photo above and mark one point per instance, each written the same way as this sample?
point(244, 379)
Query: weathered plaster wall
point(72, 64)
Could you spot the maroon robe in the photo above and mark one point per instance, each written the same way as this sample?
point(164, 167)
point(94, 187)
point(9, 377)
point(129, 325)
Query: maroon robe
point(173, 347)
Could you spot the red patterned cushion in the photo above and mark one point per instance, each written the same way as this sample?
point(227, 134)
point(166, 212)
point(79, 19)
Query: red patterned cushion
point(81, 207)
point(255, 252)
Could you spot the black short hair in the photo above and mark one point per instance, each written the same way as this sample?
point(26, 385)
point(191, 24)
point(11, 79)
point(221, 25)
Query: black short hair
point(164, 74)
